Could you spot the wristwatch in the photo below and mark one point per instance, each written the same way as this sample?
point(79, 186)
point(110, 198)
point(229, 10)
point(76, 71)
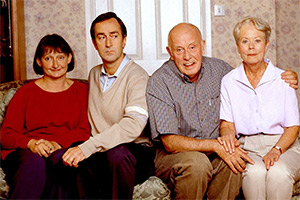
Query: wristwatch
point(278, 148)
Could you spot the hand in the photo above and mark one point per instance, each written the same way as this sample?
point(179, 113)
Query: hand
point(271, 157)
point(73, 156)
point(237, 160)
point(43, 148)
point(55, 145)
point(229, 142)
point(290, 77)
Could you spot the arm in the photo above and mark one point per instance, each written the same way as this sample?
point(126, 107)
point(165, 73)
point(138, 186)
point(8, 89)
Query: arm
point(291, 78)
point(128, 129)
point(291, 124)
point(228, 139)
point(285, 141)
point(176, 143)
point(12, 130)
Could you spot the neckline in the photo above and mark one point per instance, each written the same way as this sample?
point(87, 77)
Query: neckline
point(66, 90)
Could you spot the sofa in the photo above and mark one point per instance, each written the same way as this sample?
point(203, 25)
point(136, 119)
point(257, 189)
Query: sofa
point(153, 188)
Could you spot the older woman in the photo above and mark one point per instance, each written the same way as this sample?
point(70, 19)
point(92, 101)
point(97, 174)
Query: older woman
point(261, 110)
point(44, 118)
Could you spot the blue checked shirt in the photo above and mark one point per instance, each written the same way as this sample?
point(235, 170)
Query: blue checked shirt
point(178, 106)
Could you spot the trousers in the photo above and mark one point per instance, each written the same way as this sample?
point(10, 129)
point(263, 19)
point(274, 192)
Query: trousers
point(192, 175)
point(114, 173)
point(278, 181)
point(33, 177)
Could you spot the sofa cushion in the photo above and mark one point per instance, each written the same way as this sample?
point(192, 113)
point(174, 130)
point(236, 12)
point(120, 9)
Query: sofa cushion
point(4, 103)
point(153, 188)
point(4, 189)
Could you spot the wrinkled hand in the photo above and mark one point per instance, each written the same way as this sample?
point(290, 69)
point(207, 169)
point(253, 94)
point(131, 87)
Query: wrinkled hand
point(43, 148)
point(291, 78)
point(73, 156)
point(237, 160)
point(229, 143)
point(271, 157)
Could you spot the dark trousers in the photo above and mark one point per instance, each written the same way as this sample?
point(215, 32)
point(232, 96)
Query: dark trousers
point(113, 174)
point(33, 177)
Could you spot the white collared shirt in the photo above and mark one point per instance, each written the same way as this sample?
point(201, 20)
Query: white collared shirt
point(107, 80)
point(268, 108)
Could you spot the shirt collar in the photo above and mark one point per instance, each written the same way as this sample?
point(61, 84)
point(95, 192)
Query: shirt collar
point(125, 60)
point(268, 75)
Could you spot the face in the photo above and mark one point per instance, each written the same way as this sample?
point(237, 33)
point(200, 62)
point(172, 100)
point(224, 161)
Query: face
point(186, 48)
point(109, 41)
point(54, 64)
point(252, 45)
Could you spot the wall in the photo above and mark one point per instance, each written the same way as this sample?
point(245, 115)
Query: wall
point(64, 17)
point(223, 42)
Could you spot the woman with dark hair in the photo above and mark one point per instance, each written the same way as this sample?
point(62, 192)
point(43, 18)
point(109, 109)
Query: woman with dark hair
point(44, 118)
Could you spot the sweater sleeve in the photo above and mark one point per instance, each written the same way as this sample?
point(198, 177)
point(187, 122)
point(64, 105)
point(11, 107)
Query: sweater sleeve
point(131, 125)
point(13, 133)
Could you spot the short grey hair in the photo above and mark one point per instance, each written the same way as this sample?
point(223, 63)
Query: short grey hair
point(259, 24)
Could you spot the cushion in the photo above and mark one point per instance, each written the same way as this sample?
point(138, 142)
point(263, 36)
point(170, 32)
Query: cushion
point(153, 188)
point(4, 103)
point(3, 186)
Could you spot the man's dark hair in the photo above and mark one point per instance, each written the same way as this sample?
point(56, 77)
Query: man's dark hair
point(106, 16)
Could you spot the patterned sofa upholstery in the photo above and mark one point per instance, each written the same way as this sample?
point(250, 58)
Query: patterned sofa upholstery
point(153, 188)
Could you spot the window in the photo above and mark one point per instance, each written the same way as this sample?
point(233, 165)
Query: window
point(148, 23)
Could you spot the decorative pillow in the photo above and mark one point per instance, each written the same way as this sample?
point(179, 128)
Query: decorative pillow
point(153, 188)
point(4, 103)
point(4, 189)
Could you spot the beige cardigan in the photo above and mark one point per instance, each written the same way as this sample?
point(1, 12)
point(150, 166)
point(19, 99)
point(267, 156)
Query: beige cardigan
point(119, 114)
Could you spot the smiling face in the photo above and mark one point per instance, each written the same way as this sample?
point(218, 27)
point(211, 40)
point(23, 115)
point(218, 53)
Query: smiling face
point(186, 49)
point(252, 45)
point(109, 43)
point(54, 64)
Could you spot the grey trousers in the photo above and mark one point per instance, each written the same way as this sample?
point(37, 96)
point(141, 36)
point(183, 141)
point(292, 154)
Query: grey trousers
point(192, 175)
point(278, 181)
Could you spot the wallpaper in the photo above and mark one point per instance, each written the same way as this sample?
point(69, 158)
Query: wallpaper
point(223, 42)
point(67, 18)
point(63, 17)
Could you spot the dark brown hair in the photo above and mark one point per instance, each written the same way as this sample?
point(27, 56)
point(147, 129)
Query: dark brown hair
point(51, 43)
point(106, 16)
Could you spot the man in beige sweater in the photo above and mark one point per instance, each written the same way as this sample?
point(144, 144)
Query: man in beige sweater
point(117, 155)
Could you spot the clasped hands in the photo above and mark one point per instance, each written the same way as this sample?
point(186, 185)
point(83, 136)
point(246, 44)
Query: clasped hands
point(42, 147)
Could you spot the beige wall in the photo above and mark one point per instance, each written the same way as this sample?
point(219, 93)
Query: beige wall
point(67, 18)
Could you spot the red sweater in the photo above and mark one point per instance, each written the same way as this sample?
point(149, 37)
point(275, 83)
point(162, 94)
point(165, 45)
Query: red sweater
point(35, 113)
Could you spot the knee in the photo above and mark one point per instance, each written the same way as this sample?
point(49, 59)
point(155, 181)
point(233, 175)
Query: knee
point(195, 164)
point(255, 173)
point(31, 159)
point(279, 174)
point(31, 165)
point(120, 156)
point(56, 156)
